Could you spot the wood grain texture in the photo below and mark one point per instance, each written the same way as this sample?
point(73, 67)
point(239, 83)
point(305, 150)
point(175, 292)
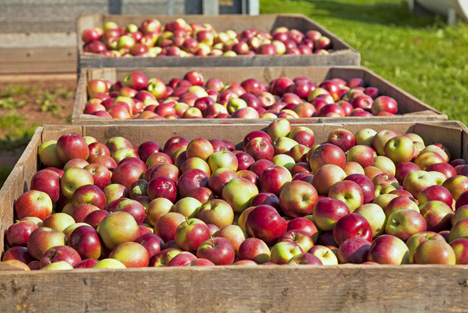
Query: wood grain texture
point(38, 60)
point(409, 106)
point(344, 288)
point(10, 191)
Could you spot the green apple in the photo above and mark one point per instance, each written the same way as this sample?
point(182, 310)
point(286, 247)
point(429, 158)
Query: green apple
point(74, 178)
point(109, 263)
point(118, 227)
point(48, 154)
point(187, 206)
point(238, 192)
point(375, 215)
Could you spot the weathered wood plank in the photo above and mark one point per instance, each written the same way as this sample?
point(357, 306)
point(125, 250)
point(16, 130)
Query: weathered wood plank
point(344, 288)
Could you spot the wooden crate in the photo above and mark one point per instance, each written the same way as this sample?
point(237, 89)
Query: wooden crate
point(38, 36)
point(345, 54)
point(342, 288)
point(410, 107)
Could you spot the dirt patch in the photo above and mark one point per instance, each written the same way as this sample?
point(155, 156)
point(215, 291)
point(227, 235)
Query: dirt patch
point(27, 102)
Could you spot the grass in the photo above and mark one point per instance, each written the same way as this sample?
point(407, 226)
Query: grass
point(423, 56)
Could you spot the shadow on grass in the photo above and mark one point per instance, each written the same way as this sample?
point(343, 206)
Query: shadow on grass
point(396, 13)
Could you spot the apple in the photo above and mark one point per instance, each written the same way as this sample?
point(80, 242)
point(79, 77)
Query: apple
point(114, 192)
point(327, 212)
point(342, 138)
point(33, 203)
point(18, 233)
point(298, 236)
point(74, 178)
point(362, 154)
point(147, 148)
point(58, 221)
point(42, 239)
point(238, 193)
point(274, 178)
point(459, 230)
point(460, 213)
point(265, 223)
point(187, 206)
point(403, 168)
point(60, 265)
point(375, 216)
point(388, 249)
point(218, 250)
point(162, 187)
point(399, 149)
point(219, 179)
point(414, 241)
point(326, 153)
point(427, 158)
point(217, 212)
point(89, 194)
point(405, 223)
point(199, 147)
point(400, 203)
point(17, 253)
point(259, 148)
point(167, 224)
point(223, 159)
point(134, 208)
point(191, 233)
point(85, 240)
point(118, 227)
point(279, 128)
point(101, 175)
point(324, 254)
point(81, 211)
point(434, 252)
point(457, 185)
point(135, 80)
point(367, 187)
point(47, 153)
point(190, 180)
point(353, 250)
point(459, 246)
point(47, 181)
point(385, 164)
point(349, 192)
point(60, 253)
point(352, 225)
point(254, 249)
point(381, 138)
point(109, 263)
point(418, 180)
point(131, 254)
point(151, 242)
point(437, 215)
point(365, 136)
point(298, 199)
point(305, 258)
point(282, 252)
point(72, 146)
point(326, 176)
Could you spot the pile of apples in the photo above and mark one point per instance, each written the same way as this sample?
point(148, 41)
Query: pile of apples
point(180, 39)
point(137, 97)
point(365, 198)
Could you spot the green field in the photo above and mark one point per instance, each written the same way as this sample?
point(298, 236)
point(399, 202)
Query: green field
point(423, 56)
